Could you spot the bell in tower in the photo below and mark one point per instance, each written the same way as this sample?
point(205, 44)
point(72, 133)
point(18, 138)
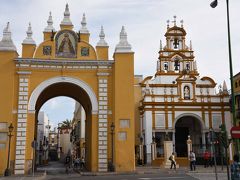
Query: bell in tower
point(175, 43)
point(176, 65)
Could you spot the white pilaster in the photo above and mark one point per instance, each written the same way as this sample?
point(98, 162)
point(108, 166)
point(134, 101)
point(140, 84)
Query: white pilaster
point(102, 122)
point(148, 134)
point(21, 123)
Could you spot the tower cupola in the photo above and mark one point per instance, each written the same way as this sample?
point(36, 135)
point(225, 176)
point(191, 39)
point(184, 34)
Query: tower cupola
point(84, 33)
point(175, 36)
point(49, 30)
point(66, 22)
point(176, 56)
point(29, 39)
point(84, 29)
point(49, 27)
point(102, 46)
point(6, 44)
point(123, 45)
point(102, 41)
point(28, 44)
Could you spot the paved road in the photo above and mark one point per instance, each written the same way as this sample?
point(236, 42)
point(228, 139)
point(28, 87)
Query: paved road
point(127, 177)
point(56, 170)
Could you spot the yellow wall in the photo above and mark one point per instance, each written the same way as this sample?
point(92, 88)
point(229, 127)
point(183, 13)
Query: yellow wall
point(102, 53)
point(137, 99)
point(8, 102)
point(120, 89)
point(123, 108)
point(28, 50)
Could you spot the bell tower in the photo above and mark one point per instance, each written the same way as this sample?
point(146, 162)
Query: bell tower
point(176, 57)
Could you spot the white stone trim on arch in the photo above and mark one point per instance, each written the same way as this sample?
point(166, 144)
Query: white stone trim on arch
point(193, 115)
point(59, 79)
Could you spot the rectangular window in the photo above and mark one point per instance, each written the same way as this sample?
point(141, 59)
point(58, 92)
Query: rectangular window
point(122, 136)
point(2, 146)
point(124, 123)
point(216, 121)
point(3, 126)
point(3, 136)
point(160, 120)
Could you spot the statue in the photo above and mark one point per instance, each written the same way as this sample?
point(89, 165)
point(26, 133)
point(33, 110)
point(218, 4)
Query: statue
point(186, 92)
point(167, 138)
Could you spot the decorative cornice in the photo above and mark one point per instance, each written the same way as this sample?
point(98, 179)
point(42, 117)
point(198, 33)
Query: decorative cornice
point(24, 72)
point(103, 74)
point(63, 62)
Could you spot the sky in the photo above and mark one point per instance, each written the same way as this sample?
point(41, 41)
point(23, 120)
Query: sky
point(145, 24)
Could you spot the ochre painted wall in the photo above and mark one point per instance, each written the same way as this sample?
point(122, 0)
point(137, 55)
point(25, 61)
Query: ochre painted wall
point(8, 102)
point(120, 88)
point(123, 99)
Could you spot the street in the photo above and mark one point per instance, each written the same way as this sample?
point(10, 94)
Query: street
point(56, 170)
point(129, 177)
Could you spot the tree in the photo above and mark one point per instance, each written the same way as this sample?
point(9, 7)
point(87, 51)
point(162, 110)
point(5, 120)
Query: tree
point(67, 124)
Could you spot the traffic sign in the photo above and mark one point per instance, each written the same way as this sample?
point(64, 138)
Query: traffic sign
point(235, 132)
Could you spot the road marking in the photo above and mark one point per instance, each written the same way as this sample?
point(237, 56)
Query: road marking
point(162, 178)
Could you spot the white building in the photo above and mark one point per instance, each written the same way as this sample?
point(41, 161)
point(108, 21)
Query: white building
point(177, 102)
point(42, 137)
point(79, 125)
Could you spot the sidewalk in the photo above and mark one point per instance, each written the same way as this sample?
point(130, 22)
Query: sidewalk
point(200, 173)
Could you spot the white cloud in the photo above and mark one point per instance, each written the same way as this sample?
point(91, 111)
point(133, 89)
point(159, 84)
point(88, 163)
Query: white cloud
point(59, 109)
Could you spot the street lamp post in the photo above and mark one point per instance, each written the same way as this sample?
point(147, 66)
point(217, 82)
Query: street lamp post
point(58, 141)
point(212, 139)
point(112, 168)
point(213, 5)
point(8, 171)
point(141, 150)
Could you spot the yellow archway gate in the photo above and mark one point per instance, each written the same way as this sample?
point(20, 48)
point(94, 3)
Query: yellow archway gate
point(65, 63)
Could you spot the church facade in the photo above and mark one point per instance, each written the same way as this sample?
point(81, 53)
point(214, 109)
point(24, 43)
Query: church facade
point(176, 102)
point(67, 64)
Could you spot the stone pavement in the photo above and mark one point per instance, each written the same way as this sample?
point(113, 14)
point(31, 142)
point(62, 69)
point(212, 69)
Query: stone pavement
point(200, 173)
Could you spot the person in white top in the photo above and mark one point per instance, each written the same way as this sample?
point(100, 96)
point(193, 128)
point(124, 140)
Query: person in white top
point(192, 158)
point(173, 161)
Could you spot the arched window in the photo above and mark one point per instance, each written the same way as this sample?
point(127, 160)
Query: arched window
point(165, 66)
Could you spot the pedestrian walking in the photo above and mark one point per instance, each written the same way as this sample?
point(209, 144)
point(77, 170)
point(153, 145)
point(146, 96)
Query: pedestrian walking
point(206, 158)
point(192, 158)
point(67, 163)
point(235, 168)
point(173, 161)
point(82, 164)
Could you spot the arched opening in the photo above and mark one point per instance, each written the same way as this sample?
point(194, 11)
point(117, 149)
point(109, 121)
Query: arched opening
point(65, 135)
point(185, 126)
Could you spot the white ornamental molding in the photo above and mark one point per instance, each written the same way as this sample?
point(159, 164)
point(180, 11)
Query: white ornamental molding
point(41, 87)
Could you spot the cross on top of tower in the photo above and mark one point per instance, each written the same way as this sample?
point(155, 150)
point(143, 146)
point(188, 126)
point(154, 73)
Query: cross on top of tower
point(168, 23)
point(174, 21)
point(181, 23)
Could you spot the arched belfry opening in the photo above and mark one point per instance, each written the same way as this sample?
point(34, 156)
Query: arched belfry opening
point(78, 94)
